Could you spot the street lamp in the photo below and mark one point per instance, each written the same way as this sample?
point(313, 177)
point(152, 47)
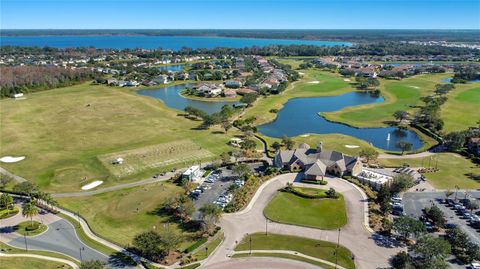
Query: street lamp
point(456, 190)
point(25, 238)
point(80, 249)
point(266, 227)
point(336, 250)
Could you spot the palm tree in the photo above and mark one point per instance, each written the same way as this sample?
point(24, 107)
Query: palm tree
point(29, 210)
point(448, 193)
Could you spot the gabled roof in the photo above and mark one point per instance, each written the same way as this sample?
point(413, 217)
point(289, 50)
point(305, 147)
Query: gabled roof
point(316, 169)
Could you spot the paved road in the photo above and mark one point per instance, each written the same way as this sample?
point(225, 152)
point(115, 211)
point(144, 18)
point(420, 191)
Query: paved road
point(370, 250)
point(60, 237)
point(262, 263)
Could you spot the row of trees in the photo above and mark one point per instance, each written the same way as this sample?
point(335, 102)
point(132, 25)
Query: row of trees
point(399, 183)
point(222, 117)
point(23, 79)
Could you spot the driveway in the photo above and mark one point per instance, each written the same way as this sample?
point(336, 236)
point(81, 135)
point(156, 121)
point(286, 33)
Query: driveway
point(60, 237)
point(370, 250)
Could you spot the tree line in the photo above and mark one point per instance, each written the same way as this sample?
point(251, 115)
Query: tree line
point(24, 79)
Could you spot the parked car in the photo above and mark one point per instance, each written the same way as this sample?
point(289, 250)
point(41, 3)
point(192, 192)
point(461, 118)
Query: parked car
point(450, 225)
point(475, 265)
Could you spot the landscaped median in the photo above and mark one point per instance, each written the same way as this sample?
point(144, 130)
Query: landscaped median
point(30, 228)
point(7, 249)
point(322, 253)
point(307, 207)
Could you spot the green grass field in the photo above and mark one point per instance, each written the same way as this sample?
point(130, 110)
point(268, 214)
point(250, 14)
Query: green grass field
point(25, 228)
point(63, 132)
point(399, 95)
point(311, 247)
point(325, 213)
point(454, 170)
point(461, 109)
point(114, 215)
point(328, 84)
point(30, 263)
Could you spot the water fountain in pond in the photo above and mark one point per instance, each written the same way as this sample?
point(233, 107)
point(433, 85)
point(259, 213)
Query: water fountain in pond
point(388, 137)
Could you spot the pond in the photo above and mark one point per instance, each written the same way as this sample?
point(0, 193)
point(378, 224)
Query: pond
point(172, 98)
point(449, 79)
point(301, 116)
point(171, 68)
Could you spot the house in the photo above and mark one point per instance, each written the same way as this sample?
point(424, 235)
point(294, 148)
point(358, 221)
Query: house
point(229, 93)
point(367, 72)
point(236, 142)
point(132, 83)
point(474, 145)
point(316, 163)
point(112, 81)
point(243, 91)
point(208, 89)
point(193, 173)
point(233, 84)
point(162, 79)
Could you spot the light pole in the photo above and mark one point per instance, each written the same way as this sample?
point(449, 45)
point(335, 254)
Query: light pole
point(336, 250)
point(266, 227)
point(456, 190)
point(206, 252)
point(80, 249)
point(25, 238)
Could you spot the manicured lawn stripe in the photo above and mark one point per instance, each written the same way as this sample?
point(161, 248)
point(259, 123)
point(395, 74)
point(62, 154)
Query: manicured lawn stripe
point(311, 247)
point(325, 213)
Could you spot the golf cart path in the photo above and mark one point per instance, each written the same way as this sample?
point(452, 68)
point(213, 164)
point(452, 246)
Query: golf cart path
point(48, 258)
point(354, 235)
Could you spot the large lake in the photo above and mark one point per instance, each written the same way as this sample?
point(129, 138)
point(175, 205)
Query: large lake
point(172, 98)
point(300, 116)
point(153, 42)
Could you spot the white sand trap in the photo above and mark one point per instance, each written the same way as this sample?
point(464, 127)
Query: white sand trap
point(415, 87)
point(300, 73)
point(314, 82)
point(92, 185)
point(346, 79)
point(10, 159)
point(352, 146)
point(305, 135)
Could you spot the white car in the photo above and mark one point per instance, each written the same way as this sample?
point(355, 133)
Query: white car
point(475, 265)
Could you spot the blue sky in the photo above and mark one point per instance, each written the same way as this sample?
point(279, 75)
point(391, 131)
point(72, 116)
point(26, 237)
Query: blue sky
point(234, 14)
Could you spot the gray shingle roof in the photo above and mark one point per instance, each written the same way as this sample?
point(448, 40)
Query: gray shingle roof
point(316, 169)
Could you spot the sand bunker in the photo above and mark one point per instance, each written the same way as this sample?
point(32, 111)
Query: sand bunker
point(352, 146)
point(346, 79)
point(92, 185)
point(300, 73)
point(305, 135)
point(415, 87)
point(314, 82)
point(10, 159)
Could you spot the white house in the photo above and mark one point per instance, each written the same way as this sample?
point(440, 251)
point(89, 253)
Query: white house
point(162, 79)
point(193, 173)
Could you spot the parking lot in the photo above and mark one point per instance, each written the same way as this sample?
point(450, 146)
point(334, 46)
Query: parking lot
point(415, 202)
point(214, 188)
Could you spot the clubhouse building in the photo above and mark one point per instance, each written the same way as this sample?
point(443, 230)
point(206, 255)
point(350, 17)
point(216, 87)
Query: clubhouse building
point(316, 163)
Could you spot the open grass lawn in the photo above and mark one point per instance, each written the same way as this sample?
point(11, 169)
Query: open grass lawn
point(453, 170)
point(63, 132)
point(29, 263)
point(311, 247)
point(462, 107)
point(399, 95)
point(325, 213)
point(114, 216)
point(328, 84)
point(205, 251)
point(30, 228)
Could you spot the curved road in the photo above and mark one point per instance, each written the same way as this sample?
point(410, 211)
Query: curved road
point(61, 237)
point(370, 250)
